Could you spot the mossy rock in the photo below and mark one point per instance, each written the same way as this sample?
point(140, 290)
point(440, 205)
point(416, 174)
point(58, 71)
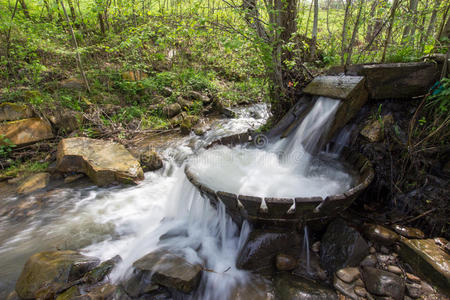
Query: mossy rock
point(14, 111)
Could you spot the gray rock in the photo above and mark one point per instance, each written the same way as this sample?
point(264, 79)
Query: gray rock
point(342, 246)
point(262, 246)
point(394, 269)
point(285, 262)
point(382, 283)
point(380, 234)
point(172, 110)
point(348, 275)
point(170, 269)
point(289, 287)
point(414, 290)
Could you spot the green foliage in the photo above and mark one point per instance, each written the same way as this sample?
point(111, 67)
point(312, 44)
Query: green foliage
point(440, 98)
point(6, 146)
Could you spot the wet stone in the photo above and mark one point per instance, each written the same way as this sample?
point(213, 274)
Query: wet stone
point(414, 290)
point(345, 288)
point(170, 269)
point(342, 246)
point(428, 260)
point(285, 262)
point(409, 232)
point(360, 291)
point(395, 270)
point(348, 275)
point(380, 234)
point(412, 277)
point(382, 283)
point(290, 287)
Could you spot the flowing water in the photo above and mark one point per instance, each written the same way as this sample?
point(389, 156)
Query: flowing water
point(283, 169)
point(129, 221)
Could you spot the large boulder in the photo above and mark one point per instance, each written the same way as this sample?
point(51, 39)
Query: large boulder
point(168, 269)
point(52, 269)
point(104, 162)
point(383, 283)
point(14, 111)
point(262, 246)
point(290, 287)
point(427, 259)
point(33, 183)
point(342, 246)
point(26, 131)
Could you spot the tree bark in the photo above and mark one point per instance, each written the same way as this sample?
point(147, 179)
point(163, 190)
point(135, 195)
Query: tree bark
point(25, 9)
point(355, 32)
point(389, 32)
point(75, 45)
point(344, 29)
point(314, 31)
point(410, 25)
point(432, 20)
point(72, 10)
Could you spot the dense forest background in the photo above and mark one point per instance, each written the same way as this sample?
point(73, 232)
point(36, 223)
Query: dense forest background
point(119, 64)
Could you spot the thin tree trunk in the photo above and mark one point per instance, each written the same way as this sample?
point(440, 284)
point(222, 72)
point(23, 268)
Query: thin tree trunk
point(314, 31)
point(328, 23)
point(432, 20)
point(355, 32)
point(8, 40)
point(410, 26)
point(72, 10)
point(25, 9)
point(307, 20)
point(441, 27)
point(344, 29)
point(389, 32)
point(75, 45)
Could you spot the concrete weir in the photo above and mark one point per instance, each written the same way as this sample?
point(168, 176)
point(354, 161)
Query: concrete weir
point(351, 91)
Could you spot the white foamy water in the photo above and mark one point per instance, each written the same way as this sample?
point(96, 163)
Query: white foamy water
point(129, 221)
point(282, 169)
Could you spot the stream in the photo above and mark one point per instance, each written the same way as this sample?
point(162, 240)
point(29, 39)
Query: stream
point(129, 221)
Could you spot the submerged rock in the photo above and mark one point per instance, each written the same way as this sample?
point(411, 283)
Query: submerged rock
point(380, 234)
point(33, 183)
point(52, 269)
point(256, 288)
point(14, 111)
point(262, 246)
point(169, 269)
point(427, 259)
point(409, 232)
point(103, 161)
point(290, 287)
point(342, 246)
point(106, 291)
point(26, 131)
point(382, 283)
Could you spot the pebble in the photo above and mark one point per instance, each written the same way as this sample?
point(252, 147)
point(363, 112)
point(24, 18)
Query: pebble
point(285, 262)
point(426, 288)
point(359, 282)
point(316, 247)
point(382, 258)
point(348, 275)
point(394, 269)
point(414, 290)
point(369, 261)
point(360, 291)
point(384, 250)
point(372, 250)
point(413, 277)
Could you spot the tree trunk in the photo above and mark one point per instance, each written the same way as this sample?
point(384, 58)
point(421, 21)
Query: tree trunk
point(307, 20)
point(355, 32)
point(432, 20)
point(389, 32)
point(410, 25)
point(72, 10)
point(25, 9)
point(314, 31)
point(344, 29)
point(75, 45)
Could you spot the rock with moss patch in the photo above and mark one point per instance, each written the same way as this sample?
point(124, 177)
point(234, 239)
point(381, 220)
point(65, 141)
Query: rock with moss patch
point(374, 130)
point(14, 111)
point(150, 160)
point(69, 294)
point(188, 123)
point(197, 96)
point(72, 83)
point(26, 131)
point(33, 183)
point(101, 271)
point(104, 162)
point(172, 110)
point(52, 269)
